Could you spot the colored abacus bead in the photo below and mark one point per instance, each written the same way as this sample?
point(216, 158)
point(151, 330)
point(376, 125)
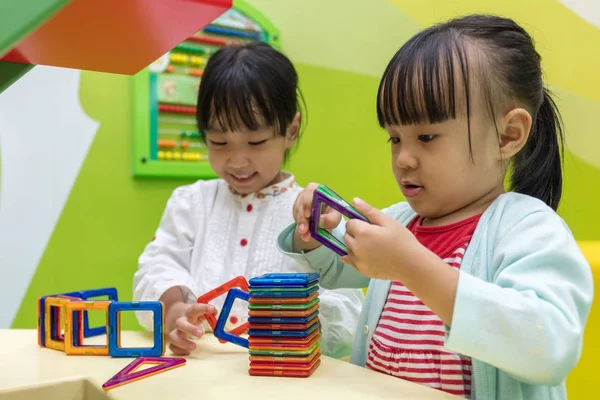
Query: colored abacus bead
point(196, 60)
point(176, 109)
point(166, 144)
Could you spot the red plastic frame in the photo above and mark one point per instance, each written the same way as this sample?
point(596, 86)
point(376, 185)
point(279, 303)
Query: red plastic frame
point(239, 282)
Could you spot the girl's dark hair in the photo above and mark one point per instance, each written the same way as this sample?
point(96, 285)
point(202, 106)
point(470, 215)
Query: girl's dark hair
point(248, 86)
point(430, 80)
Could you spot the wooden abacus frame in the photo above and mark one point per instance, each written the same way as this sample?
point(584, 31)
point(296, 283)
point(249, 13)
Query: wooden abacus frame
point(145, 114)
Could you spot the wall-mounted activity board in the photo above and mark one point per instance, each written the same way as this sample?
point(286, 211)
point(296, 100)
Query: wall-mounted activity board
point(166, 142)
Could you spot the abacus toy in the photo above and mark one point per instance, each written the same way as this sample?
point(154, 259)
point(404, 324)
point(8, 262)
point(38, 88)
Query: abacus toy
point(324, 195)
point(284, 327)
point(74, 306)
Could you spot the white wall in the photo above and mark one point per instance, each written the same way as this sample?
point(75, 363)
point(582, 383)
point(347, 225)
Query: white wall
point(44, 138)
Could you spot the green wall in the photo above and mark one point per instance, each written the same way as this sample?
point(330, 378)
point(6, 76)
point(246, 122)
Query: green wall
point(109, 216)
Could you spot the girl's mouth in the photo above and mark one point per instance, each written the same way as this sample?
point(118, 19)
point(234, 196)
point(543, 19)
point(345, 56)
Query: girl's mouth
point(410, 191)
point(242, 179)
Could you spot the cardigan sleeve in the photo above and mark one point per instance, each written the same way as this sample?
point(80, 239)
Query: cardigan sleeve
point(165, 261)
point(334, 274)
point(528, 320)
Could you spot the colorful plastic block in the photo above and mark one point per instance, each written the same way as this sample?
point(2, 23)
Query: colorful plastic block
point(55, 316)
point(237, 282)
point(50, 324)
point(112, 294)
point(114, 329)
point(224, 315)
point(129, 373)
point(80, 307)
point(324, 195)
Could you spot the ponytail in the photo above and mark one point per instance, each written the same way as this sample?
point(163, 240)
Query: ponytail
point(537, 168)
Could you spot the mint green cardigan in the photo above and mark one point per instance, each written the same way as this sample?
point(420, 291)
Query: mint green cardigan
point(523, 298)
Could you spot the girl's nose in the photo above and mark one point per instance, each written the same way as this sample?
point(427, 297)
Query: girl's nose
point(238, 160)
point(404, 159)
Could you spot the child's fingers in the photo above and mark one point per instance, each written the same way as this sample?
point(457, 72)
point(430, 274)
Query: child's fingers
point(301, 220)
point(184, 325)
point(330, 219)
point(306, 237)
point(307, 200)
point(179, 351)
point(180, 344)
point(196, 312)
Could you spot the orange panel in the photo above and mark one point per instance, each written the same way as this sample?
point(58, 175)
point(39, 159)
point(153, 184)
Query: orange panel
point(115, 36)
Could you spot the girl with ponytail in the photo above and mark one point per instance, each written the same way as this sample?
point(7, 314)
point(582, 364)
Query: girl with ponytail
point(474, 288)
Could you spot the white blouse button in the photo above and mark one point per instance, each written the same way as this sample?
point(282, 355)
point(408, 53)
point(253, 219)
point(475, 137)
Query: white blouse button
point(366, 329)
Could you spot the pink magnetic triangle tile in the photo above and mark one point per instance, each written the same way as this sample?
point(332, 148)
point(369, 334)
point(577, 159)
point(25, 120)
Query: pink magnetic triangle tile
point(126, 375)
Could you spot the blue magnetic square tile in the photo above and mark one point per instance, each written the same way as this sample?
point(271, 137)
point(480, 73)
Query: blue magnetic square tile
point(86, 295)
point(114, 329)
point(219, 332)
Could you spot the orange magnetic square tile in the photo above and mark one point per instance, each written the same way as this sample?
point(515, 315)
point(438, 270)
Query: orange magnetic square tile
point(49, 303)
point(80, 306)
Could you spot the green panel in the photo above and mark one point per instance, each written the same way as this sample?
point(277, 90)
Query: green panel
point(11, 72)
point(21, 17)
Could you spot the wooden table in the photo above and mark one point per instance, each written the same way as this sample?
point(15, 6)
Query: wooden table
point(213, 371)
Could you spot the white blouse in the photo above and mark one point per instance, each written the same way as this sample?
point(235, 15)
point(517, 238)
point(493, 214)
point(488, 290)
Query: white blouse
point(209, 234)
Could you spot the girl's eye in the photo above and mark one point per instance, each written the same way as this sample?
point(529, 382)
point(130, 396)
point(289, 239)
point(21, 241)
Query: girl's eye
point(217, 143)
point(426, 138)
point(394, 140)
point(258, 143)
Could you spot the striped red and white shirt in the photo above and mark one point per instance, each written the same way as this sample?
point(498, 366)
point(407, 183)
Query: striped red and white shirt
point(408, 341)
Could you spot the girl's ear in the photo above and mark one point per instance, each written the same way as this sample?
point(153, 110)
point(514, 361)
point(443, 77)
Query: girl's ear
point(516, 128)
point(293, 130)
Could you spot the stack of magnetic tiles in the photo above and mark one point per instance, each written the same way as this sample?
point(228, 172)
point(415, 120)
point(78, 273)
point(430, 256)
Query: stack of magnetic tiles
point(283, 321)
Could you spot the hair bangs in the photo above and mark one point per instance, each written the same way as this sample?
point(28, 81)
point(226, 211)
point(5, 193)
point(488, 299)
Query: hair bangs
point(238, 103)
point(426, 82)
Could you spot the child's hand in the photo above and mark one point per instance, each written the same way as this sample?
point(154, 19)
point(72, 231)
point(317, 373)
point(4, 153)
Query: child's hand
point(184, 321)
point(302, 210)
point(382, 249)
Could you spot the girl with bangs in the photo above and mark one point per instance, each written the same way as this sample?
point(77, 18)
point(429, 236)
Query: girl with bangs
point(472, 289)
point(248, 114)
